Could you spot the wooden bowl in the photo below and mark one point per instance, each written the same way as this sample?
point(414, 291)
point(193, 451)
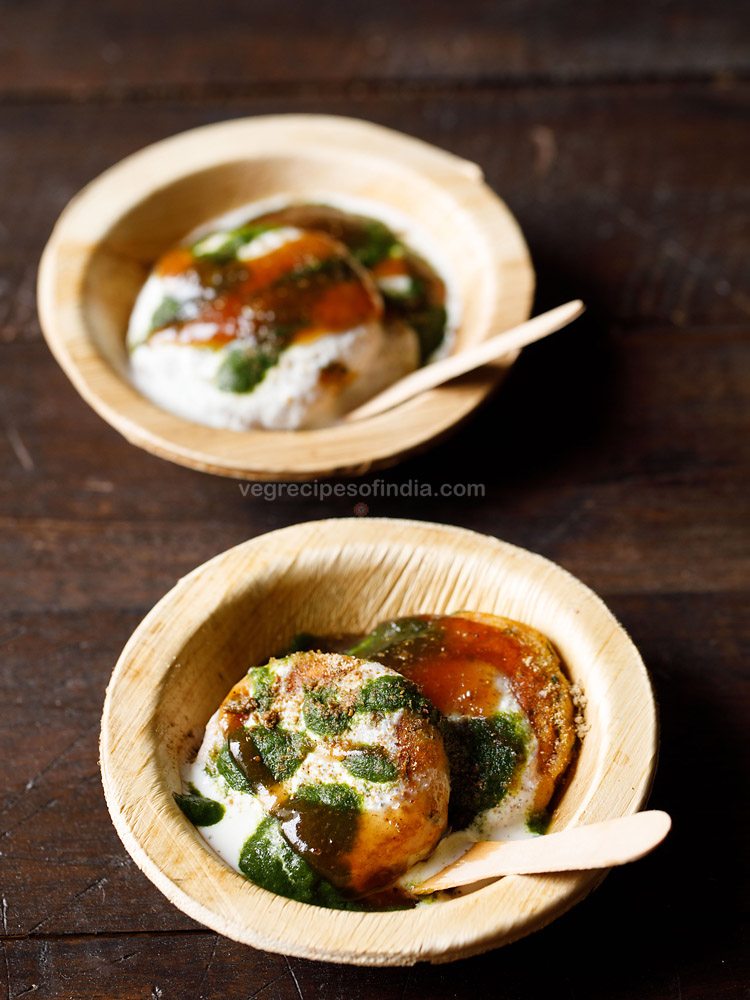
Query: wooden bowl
point(109, 236)
point(345, 575)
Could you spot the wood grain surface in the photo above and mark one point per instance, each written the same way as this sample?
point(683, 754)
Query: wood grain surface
point(620, 141)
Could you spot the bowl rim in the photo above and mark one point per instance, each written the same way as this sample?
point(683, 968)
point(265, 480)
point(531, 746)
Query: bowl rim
point(344, 449)
point(435, 933)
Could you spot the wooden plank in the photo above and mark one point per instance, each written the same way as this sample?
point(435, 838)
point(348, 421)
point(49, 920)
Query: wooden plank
point(145, 966)
point(189, 46)
point(632, 198)
point(629, 469)
point(62, 861)
point(170, 967)
point(656, 538)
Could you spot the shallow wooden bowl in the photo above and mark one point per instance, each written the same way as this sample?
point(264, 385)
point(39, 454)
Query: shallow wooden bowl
point(345, 575)
point(108, 237)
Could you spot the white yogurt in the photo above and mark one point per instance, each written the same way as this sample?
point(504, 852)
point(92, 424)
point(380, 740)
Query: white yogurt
point(293, 395)
point(181, 378)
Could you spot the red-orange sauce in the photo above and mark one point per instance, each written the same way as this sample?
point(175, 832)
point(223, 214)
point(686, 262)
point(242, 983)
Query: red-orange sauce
point(457, 668)
point(458, 672)
point(322, 282)
point(286, 292)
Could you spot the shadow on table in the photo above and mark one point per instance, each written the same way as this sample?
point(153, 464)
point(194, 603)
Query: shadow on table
point(553, 407)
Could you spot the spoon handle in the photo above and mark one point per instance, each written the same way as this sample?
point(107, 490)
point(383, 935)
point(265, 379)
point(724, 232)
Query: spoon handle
point(599, 845)
point(467, 360)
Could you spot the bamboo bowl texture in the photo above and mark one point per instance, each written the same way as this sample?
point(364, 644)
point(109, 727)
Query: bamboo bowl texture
point(109, 236)
point(348, 574)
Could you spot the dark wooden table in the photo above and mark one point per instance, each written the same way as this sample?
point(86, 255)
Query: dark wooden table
point(618, 133)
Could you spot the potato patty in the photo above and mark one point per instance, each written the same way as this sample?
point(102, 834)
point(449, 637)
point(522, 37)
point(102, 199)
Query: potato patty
point(457, 661)
point(347, 756)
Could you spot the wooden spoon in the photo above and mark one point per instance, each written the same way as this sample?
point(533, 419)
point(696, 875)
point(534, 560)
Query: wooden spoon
point(465, 361)
point(599, 845)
